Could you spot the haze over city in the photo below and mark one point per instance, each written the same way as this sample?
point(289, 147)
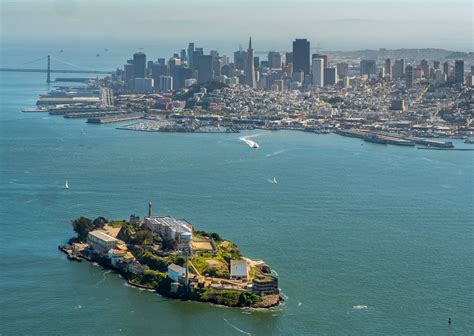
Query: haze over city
point(335, 25)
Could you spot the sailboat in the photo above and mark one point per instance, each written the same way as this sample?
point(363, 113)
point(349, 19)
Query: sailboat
point(66, 185)
point(274, 180)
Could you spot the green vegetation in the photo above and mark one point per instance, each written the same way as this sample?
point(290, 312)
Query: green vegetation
point(217, 264)
point(146, 257)
point(212, 235)
point(84, 225)
point(169, 244)
point(229, 297)
point(152, 279)
point(143, 237)
point(117, 223)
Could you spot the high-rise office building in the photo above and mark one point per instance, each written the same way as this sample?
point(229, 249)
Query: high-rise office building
point(318, 72)
point(342, 69)
point(388, 67)
point(250, 70)
point(143, 85)
point(204, 67)
point(139, 65)
point(330, 76)
point(190, 54)
point(298, 76)
point(399, 68)
point(256, 62)
point(158, 70)
point(288, 58)
point(425, 66)
point(446, 68)
point(275, 59)
point(240, 59)
point(409, 76)
point(166, 83)
point(436, 65)
point(128, 75)
point(368, 67)
point(301, 54)
point(324, 57)
point(459, 71)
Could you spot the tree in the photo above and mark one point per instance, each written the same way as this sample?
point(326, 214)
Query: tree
point(143, 237)
point(216, 236)
point(99, 222)
point(169, 244)
point(82, 226)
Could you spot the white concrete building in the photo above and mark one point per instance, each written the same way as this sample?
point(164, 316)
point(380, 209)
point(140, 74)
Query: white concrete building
point(239, 270)
point(318, 72)
point(100, 241)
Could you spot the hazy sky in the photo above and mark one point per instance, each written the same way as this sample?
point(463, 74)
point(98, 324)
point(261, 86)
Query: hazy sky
point(342, 25)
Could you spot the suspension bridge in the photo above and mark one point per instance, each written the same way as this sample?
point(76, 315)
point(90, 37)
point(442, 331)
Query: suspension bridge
point(49, 71)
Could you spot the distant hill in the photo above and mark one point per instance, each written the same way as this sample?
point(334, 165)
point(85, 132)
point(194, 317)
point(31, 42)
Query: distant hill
point(409, 54)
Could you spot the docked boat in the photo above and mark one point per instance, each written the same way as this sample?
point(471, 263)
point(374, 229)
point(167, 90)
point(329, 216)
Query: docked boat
point(375, 139)
point(469, 141)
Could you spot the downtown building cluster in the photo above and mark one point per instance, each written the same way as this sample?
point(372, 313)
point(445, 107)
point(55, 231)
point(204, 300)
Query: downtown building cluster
point(295, 69)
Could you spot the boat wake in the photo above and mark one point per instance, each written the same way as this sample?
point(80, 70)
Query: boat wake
point(103, 278)
point(276, 153)
point(250, 143)
point(236, 328)
point(359, 307)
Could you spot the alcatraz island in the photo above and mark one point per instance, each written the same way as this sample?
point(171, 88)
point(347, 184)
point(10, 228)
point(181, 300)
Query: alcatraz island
point(168, 255)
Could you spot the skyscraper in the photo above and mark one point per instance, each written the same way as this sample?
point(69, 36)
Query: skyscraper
point(139, 65)
point(250, 71)
point(446, 68)
point(342, 69)
point(330, 76)
point(388, 67)
point(324, 57)
point(459, 71)
point(240, 59)
point(204, 67)
point(275, 59)
point(301, 55)
point(368, 67)
point(318, 72)
point(399, 68)
point(190, 54)
point(409, 76)
point(425, 66)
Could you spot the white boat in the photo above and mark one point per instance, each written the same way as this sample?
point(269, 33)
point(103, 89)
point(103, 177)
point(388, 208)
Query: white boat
point(66, 185)
point(274, 180)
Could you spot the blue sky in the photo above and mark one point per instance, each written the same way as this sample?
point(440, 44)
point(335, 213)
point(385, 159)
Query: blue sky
point(335, 25)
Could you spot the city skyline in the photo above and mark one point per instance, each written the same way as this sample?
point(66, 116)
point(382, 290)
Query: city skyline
point(361, 25)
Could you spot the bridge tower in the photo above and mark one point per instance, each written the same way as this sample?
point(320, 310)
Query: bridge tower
point(48, 78)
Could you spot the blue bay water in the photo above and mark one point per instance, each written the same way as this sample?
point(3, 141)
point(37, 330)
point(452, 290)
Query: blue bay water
point(366, 239)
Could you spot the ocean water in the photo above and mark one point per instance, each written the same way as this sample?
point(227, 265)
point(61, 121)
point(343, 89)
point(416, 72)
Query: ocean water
point(366, 239)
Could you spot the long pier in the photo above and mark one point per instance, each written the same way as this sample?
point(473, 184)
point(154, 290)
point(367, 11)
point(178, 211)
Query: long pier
point(392, 138)
point(57, 71)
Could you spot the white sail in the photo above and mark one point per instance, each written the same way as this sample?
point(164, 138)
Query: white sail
point(66, 185)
